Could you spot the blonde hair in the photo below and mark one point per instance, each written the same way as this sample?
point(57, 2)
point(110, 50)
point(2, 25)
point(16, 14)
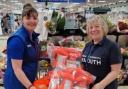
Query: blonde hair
point(97, 19)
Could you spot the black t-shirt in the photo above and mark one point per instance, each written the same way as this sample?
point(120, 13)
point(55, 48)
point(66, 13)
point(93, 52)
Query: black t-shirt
point(98, 58)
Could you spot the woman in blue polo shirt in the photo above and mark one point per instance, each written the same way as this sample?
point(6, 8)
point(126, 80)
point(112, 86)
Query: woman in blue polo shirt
point(23, 53)
point(101, 57)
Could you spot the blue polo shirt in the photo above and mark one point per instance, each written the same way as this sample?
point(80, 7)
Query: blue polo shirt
point(98, 58)
point(21, 47)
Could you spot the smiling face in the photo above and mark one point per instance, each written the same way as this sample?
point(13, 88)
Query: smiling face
point(95, 31)
point(30, 23)
point(96, 28)
point(29, 18)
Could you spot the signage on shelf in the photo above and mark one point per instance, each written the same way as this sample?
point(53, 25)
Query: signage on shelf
point(75, 1)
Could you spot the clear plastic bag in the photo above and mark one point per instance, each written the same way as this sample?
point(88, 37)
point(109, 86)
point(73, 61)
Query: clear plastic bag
point(68, 77)
point(66, 73)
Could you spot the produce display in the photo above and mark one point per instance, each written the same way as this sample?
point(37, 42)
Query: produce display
point(123, 25)
point(50, 25)
point(61, 23)
point(75, 44)
point(70, 41)
point(116, 23)
point(57, 22)
point(111, 26)
point(43, 45)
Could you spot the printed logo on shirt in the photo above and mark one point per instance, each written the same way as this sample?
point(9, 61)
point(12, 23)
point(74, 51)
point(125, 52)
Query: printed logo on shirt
point(29, 45)
point(92, 60)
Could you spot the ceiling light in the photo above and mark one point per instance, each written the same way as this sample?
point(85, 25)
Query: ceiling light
point(34, 0)
point(76, 3)
point(15, 1)
point(88, 0)
point(57, 3)
point(102, 1)
point(122, 1)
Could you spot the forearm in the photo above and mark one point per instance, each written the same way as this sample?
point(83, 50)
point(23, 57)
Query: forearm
point(109, 78)
point(22, 78)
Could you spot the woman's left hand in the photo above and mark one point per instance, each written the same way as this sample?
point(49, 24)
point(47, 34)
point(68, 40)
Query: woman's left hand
point(32, 87)
point(98, 86)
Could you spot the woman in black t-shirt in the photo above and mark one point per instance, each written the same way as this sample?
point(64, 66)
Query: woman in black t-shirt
point(101, 57)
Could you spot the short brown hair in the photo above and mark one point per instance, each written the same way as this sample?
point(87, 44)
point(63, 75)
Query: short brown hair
point(28, 10)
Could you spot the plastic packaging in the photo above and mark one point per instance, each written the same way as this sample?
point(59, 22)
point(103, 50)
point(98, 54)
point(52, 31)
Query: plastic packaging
point(42, 83)
point(66, 73)
point(68, 78)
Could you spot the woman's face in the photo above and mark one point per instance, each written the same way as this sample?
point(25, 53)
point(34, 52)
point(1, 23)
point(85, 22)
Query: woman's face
point(30, 23)
point(95, 32)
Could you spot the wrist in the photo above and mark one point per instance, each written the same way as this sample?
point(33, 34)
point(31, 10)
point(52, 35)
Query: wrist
point(102, 84)
point(30, 86)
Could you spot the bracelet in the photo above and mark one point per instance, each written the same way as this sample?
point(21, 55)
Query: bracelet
point(30, 86)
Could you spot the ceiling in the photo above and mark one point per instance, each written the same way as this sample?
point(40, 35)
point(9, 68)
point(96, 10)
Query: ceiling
point(17, 4)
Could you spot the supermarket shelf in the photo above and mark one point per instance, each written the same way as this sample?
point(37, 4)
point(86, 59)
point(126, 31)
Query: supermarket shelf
point(79, 32)
point(68, 32)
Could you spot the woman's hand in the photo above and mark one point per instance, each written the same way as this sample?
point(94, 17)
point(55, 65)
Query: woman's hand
point(32, 87)
point(122, 50)
point(98, 86)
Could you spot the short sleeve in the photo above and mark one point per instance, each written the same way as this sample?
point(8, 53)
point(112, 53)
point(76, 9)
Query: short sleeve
point(115, 54)
point(15, 48)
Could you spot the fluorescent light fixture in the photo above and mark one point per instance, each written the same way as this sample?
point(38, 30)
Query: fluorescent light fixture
point(102, 1)
point(34, 0)
point(15, 1)
point(122, 1)
point(76, 3)
point(57, 3)
point(88, 0)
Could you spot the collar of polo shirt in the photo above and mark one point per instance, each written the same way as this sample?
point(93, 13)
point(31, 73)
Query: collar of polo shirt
point(100, 43)
point(34, 34)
